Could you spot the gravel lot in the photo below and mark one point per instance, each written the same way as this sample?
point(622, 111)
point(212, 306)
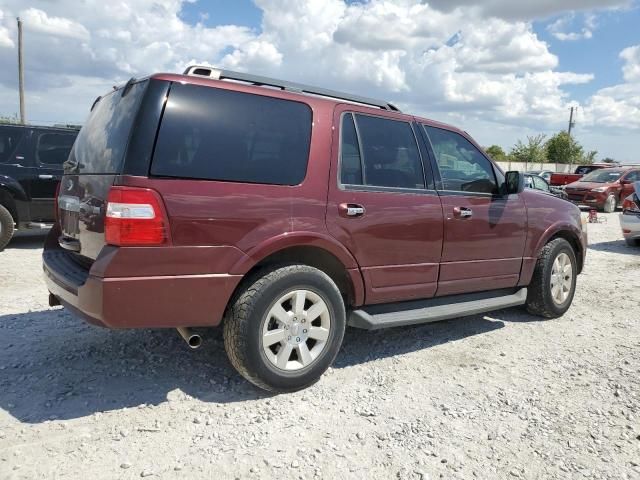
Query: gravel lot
point(494, 397)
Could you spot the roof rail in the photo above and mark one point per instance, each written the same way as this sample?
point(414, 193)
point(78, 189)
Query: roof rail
point(219, 74)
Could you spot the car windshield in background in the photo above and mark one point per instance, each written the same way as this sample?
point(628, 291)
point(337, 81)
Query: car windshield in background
point(602, 176)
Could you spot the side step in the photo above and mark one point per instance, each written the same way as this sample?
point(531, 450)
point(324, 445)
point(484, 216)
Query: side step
point(438, 310)
point(39, 225)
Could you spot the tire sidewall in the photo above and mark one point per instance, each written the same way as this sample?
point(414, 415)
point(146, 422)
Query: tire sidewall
point(6, 227)
point(561, 247)
point(606, 203)
point(319, 283)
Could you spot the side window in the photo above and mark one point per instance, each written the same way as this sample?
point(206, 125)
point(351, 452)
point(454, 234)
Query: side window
point(541, 184)
point(389, 157)
point(9, 138)
point(350, 159)
point(528, 181)
point(54, 148)
point(633, 176)
point(462, 167)
point(215, 134)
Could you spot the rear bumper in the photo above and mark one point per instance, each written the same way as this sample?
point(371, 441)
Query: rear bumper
point(630, 225)
point(137, 302)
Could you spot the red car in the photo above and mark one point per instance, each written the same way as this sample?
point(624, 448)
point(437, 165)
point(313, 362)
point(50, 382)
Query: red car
point(560, 179)
point(604, 189)
point(285, 212)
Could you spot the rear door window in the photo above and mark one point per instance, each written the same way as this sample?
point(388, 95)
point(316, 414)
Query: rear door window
point(389, 156)
point(9, 138)
point(214, 134)
point(462, 167)
point(53, 148)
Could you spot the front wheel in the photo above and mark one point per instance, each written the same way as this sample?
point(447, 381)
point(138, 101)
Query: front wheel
point(7, 226)
point(553, 285)
point(285, 329)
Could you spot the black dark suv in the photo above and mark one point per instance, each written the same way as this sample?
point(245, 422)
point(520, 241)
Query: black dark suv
point(31, 161)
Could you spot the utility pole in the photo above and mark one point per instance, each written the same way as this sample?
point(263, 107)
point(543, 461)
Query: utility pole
point(571, 125)
point(571, 122)
point(23, 118)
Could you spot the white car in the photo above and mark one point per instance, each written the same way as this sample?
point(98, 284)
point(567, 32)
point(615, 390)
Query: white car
point(630, 218)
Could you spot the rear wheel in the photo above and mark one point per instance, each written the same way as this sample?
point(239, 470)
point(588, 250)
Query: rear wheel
point(285, 329)
point(553, 285)
point(7, 227)
point(610, 204)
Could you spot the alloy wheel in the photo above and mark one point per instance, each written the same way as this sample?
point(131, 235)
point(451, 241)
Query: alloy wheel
point(296, 329)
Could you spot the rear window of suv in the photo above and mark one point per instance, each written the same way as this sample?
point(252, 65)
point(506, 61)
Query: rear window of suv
point(103, 139)
point(214, 134)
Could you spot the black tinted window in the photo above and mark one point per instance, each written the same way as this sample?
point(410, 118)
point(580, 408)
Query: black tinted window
point(102, 141)
point(216, 134)
point(54, 148)
point(350, 161)
point(9, 138)
point(390, 153)
point(462, 167)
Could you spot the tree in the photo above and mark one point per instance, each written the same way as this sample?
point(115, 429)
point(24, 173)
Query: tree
point(497, 153)
point(608, 160)
point(4, 119)
point(531, 152)
point(562, 148)
point(588, 157)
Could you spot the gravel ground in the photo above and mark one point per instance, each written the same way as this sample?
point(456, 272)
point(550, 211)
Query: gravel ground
point(499, 396)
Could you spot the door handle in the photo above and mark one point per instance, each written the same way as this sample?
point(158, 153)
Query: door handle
point(351, 210)
point(462, 212)
point(45, 177)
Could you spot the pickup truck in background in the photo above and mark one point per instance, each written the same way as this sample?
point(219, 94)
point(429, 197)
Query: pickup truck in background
point(31, 161)
point(561, 179)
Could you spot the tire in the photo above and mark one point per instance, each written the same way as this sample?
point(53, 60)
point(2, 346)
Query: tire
point(292, 362)
point(632, 242)
point(610, 204)
point(7, 227)
point(540, 297)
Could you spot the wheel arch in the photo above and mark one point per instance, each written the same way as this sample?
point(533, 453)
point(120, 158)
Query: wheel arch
point(317, 251)
point(571, 234)
point(8, 202)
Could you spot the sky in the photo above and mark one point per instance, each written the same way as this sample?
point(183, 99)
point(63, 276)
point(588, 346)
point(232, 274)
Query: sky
point(499, 69)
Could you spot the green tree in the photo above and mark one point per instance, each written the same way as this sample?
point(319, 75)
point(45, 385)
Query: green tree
point(4, 119)
point(531, 152)
point(608, 160)
point(497, 153)
point(589, 157)
point(562, 148)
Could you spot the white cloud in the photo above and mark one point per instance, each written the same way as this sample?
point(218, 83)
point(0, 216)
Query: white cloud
point(529, 10)
point(38, 21)
point(455, 60)
point(631, 69)
point(5, 35)
point(558, 28)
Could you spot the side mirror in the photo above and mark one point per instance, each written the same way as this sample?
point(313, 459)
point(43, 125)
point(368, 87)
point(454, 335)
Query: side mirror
point(625, 182)
point(514, 182)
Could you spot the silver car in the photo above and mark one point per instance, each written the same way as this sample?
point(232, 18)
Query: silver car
point(630, 218)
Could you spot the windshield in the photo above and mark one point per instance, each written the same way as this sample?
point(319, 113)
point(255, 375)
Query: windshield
point(602, 176)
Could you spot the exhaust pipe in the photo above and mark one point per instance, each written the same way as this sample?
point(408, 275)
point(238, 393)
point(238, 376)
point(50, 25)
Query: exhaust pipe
point(193, 339)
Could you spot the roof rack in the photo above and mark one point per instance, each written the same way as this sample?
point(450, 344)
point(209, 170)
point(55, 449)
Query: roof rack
point(218, 74)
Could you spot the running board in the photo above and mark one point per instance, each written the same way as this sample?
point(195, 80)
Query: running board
point(367, 321)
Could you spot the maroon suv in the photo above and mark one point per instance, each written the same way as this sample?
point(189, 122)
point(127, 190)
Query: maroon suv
point(287, 212)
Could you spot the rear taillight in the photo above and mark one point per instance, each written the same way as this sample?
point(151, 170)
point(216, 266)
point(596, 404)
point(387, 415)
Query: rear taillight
point(135, 217)
point(55, 203)
point(630, 206)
